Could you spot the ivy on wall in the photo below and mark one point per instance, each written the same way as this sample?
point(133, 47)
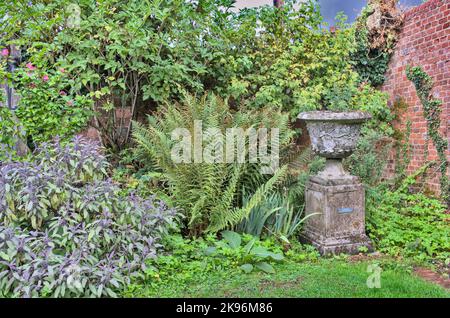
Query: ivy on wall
point(376, 31)
point(432, 112)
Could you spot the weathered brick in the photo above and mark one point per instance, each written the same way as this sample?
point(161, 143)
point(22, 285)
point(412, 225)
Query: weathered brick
point(425, 41)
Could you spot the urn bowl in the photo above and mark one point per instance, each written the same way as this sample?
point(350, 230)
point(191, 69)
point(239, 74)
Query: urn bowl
point(334, 135)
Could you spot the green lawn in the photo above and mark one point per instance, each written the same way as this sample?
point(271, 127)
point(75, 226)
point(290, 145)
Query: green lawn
point(326, 278)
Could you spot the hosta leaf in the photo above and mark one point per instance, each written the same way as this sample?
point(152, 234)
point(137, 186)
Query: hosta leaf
point(210, 250)
point(232, 238)
point(247, 268)
point(265, 267)
point(260, 252)
point(277, 256)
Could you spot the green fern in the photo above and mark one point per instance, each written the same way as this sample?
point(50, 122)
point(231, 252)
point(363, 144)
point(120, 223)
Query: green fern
point(236, 215)
point(209, 195)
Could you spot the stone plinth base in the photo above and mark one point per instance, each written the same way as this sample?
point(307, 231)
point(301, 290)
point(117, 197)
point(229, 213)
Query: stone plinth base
point(338, 223)
point(347, 245)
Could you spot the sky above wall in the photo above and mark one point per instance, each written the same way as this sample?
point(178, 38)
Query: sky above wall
point(330, 8)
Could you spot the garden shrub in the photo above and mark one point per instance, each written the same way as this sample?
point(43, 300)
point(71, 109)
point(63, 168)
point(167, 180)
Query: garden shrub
point(409, 224)
point(369, 159)
point(119, 56)
point(208, 193)
point(65, 229)
point(368, 162)
point(47, 108)
point(127, 55)
point(293, 63)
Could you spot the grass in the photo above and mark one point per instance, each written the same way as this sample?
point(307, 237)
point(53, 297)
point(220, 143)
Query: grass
point(325, 278)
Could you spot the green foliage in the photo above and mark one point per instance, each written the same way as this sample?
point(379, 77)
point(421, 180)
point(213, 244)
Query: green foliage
point(374, 48)
point(371, 65)
point(369, 159)
point(274, 216)
point(127, 55)
point(208, 193)
point(185, 278)
point(46, 109)
point(432, 112)
point(245, 251)
point(293, 63)
point(196, 259)
point(9, 130)
point(374, 102)
point(131, 56)
point(412, 225)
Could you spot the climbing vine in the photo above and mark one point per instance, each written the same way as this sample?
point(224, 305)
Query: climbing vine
point(376, 31)
point(432, 111)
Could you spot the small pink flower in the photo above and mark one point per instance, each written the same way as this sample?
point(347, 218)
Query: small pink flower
point(62, 93)
point(30, 66)
point(5, 52)
point(45, 78)
point(62, 70)
point(70, 103)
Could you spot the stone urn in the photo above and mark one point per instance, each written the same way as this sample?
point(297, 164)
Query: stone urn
point(334, 198)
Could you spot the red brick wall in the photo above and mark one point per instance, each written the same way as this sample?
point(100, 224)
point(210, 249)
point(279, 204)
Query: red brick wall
point(424, 41)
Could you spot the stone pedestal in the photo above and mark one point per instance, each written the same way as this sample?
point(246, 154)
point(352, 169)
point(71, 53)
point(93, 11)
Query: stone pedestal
point(334, 198)
point(339, 198)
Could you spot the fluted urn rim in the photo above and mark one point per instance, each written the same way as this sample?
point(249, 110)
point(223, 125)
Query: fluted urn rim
point(349, 117)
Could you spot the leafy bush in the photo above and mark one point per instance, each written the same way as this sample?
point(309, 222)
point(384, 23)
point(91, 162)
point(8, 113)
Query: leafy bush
point(131, 56)
point(66, 231)
point(127, 55)
point(208, 193)
point(47, 108)
point(369, 160)
point(293, 63)
point(410, 225)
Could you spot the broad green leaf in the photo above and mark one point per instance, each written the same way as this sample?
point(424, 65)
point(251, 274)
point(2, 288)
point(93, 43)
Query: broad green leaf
point(247, 268)
point(232, 238)
point(210, 250)
point(265, 267)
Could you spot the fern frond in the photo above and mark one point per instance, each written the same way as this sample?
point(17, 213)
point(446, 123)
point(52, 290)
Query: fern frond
point(234, 216)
